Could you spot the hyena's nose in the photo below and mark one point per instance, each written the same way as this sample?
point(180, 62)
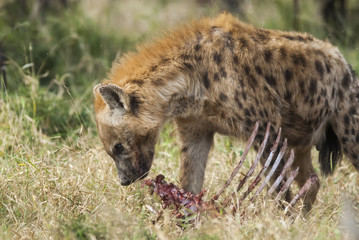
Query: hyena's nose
point(125, 182)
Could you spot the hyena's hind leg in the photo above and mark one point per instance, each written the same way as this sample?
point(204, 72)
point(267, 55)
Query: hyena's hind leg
point(346, 127)
point(304, 161)
point(345, 120)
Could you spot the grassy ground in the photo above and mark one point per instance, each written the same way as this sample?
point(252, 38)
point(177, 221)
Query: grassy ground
point(56, 182)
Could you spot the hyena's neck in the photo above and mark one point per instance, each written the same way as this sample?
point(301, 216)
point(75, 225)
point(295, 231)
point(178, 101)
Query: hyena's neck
point(179, 87)
point(171, 81)
point(178, 96)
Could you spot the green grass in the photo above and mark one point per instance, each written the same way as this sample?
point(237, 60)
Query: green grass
point(55, 179)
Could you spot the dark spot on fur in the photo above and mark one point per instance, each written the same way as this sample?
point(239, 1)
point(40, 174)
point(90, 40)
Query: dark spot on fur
point(259, 70)
point(188, 65)
point(318, 100)
point(164, 60)
point(244, 95)
point(244, 42)
point(302, 90)
point(333, 92)
point(259, 137)
point(239, 104)
point(267, 55)
point(134, 103)
point(312, 102)
point(266, 113)
point(340, 94)
point(185, 56)
point(344, 140)
point(253, 110)
point(198, 58)
point(352, 111)
point(138, 82)
point(249, 123)
point(301, 39)
point(288, 96)
point(246, 69)
point(154, 68)
point(223, 97)
point(252, 82)
point(262, 36)
point(197, 47)
point(217, 58)
point(265, 88)
point(261, 113)
point(288, 75)
point(247, 112)
point(323, 92)
point(158, 82)
point(271, 80)
point(289, 37)
point(357, 138)
point(216, 77)
point(355, 156)
point(272, 130)
point(235, 59)
point(352, 97)
point(214, 28)
point(346, 120)
point(313, 87)
point(346, 80)
point(299, 59)
point(206, 80)
point(327, 67)
point(223, 72)
point(283, 52)
point(228, 40)
point(319, 68)
point(184, 149)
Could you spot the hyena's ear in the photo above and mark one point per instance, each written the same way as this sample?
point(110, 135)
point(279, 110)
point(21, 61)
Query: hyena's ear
point(114, 96)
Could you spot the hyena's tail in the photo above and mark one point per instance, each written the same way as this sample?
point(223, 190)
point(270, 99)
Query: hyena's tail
point(330, 152)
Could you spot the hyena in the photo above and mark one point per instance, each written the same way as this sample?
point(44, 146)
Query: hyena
point(221, 76)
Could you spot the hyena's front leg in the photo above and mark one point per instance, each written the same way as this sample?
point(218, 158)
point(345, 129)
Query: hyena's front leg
point(196, 143)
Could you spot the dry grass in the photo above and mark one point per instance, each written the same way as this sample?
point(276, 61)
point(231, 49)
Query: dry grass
point(55, 188)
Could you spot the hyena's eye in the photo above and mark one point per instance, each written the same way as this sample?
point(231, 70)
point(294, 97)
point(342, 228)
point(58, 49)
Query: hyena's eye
point(118, 149)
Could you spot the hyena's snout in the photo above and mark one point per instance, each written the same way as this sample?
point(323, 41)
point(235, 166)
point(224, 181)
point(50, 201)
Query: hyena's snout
point(130, 172)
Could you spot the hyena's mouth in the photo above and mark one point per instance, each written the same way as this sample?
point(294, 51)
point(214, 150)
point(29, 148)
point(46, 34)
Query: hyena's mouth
point(128, 182)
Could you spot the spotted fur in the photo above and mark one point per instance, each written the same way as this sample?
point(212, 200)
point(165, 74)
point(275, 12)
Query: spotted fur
point(221, 76)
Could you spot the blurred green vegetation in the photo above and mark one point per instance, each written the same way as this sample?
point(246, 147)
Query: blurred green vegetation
point(53, 60)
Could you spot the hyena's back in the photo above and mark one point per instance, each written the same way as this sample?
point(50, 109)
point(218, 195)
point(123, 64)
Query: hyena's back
point(292, 80)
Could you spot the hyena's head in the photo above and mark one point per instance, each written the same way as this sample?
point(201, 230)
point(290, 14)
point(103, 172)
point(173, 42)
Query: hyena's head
point(124, 134)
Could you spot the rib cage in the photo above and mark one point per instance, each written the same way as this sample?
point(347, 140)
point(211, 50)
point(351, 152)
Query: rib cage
point(187, 204)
